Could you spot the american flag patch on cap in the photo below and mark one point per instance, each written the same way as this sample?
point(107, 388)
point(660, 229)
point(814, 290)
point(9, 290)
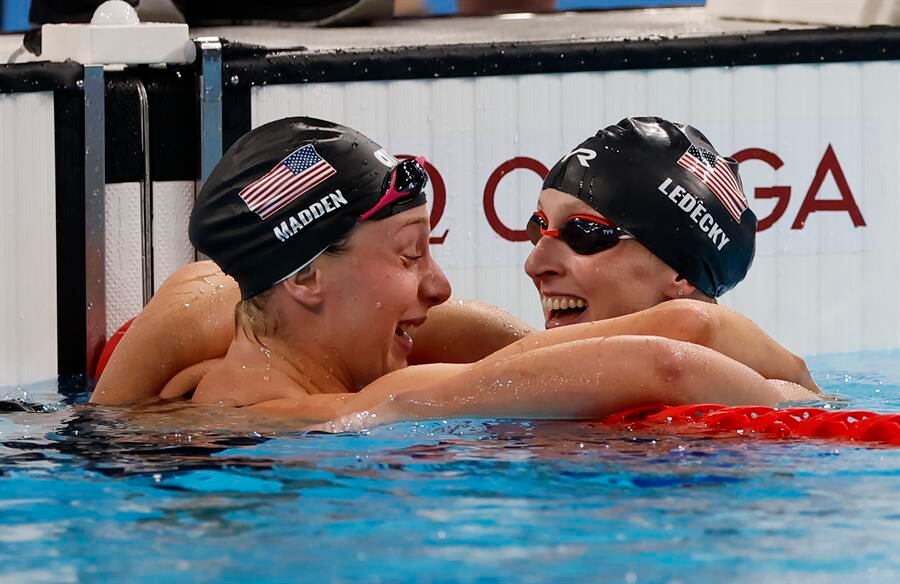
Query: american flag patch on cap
point(715, 173)
point(297, 174)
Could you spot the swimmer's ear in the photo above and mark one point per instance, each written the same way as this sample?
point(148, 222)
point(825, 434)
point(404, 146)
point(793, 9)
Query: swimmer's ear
point(679, 287)
point(305, 287)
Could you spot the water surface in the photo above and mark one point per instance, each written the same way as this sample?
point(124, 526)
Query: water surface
point(88, 494)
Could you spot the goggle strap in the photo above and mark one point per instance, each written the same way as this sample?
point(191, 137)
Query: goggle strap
point(592, 219)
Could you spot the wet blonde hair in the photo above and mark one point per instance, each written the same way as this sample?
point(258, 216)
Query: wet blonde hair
point(256, 319)
point(252, 317)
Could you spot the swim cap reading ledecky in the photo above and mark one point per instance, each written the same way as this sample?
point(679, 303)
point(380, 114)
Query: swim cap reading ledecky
point(666, 185)
point(287, 191)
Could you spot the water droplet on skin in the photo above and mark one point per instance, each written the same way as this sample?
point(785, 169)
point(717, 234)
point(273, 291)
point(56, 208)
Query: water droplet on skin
point(378, 305)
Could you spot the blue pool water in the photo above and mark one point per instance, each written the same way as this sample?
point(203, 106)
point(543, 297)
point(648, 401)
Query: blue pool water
point(88, 495)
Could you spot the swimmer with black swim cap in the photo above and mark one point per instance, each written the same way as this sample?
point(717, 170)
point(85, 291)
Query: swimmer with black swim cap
point(644, 211)
point(324, 233)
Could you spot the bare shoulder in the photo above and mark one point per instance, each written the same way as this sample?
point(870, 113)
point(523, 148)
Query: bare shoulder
point(188, 321)
point(688, 308)
point(233, 384)
point(195, 292)
point(195, 276)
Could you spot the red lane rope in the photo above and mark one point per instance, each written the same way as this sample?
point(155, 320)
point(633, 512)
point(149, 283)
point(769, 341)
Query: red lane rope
point(848, 425)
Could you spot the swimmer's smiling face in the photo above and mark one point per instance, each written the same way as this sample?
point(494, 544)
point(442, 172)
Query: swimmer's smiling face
point(380, 291)
point(582, 288)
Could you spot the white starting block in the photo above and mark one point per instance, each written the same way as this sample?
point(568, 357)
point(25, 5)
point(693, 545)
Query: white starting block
point(117, 36)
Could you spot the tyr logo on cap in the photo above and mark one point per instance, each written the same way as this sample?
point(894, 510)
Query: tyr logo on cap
point(301, 171)
point(583, 155)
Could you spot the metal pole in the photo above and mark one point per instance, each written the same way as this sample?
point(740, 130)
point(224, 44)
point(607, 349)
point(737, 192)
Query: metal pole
point(146, 198)
point(210, 110)
point(210, 104)
point(94, 210)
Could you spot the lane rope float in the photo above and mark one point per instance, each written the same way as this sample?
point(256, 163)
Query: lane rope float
point(766, 422)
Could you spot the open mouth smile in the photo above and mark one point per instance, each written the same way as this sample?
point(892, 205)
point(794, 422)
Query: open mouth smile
point(562, 310)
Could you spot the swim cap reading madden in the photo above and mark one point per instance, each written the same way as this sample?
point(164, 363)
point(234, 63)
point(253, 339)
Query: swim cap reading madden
point(286, 191)
point(667, 186)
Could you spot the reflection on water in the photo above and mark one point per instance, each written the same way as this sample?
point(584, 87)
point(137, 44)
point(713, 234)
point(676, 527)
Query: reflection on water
point(172, 494)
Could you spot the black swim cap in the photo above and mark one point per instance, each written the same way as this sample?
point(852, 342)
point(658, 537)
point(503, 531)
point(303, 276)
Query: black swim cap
point(286, 192)
point(667, 186)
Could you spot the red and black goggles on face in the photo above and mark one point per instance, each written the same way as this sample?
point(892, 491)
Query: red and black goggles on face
point(403, 188)
point(586, 235)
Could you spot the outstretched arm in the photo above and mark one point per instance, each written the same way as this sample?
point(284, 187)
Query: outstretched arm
point(701, 323)
point(584, 379)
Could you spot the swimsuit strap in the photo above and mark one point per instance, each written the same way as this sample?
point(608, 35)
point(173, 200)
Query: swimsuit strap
point(109, 348)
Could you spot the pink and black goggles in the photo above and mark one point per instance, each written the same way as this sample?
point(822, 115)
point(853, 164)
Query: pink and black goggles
point(403, 188)
point(585, 234)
